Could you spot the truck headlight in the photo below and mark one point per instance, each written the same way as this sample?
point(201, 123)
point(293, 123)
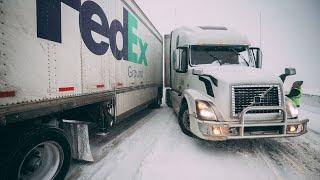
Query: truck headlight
point(292, 110)
point(205, 111)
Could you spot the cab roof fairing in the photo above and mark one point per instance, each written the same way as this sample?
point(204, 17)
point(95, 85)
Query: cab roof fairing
point(198, 36)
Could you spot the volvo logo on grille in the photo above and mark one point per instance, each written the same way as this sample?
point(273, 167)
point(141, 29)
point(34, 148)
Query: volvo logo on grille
point(257, 100)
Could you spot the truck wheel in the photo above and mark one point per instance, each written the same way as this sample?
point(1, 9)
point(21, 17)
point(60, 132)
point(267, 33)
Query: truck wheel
point(157, 103)
point(38, 153)
point(168, 98)
point(184, 121)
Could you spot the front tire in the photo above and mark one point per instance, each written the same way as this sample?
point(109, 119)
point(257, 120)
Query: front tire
point(184, 121)
point(36, 153)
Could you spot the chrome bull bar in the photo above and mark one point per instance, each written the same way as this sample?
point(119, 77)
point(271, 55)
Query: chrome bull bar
point(252, 108)
point(244, 129)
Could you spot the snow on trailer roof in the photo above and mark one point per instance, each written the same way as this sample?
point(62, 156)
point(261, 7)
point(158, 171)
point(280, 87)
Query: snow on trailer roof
point(210, 35)
point(212, 28)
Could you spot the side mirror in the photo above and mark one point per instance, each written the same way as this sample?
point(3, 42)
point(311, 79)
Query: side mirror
point(177, 59)
point(257, 55)
point(287, 72)
point(290, 71)
point(181, 62)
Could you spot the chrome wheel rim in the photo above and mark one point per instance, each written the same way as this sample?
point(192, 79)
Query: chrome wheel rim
point(44, 161)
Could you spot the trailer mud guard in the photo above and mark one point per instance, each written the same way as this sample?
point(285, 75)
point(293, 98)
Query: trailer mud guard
point(78, 132)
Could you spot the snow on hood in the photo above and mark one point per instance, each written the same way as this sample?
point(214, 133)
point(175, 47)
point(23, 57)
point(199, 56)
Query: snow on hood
point(235, 74)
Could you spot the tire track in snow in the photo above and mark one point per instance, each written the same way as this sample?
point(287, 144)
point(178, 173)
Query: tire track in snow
point(262, 153)
point(104, 148)
point(129, 153)
point(286, 158)
point(292, 154)
point(139, 172)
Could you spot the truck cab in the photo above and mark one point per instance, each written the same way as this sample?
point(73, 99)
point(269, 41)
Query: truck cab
point(218, 89)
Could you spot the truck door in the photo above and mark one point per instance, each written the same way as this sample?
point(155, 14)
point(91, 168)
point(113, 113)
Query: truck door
point(180, 75)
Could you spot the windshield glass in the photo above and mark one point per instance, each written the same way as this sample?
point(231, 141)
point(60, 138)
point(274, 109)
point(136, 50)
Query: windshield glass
point(220, 55)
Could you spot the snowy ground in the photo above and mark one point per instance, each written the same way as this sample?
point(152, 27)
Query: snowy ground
point(152, 146)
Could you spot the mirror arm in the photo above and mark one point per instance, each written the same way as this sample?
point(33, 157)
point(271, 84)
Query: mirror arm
point(283, 77)
point(287, 72)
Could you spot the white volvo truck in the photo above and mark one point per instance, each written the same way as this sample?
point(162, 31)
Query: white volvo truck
point(66, 65)
point(218, 90)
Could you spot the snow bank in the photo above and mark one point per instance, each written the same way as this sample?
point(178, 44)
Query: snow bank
point(312, 100)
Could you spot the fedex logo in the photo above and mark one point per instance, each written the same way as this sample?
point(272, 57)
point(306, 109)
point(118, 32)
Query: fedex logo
point(49, 28)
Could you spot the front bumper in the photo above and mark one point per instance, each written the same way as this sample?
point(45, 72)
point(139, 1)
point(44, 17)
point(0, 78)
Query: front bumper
point(242, 129)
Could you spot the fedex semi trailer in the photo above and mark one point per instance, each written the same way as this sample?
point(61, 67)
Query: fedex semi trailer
point(219, 91)
point(65, 64)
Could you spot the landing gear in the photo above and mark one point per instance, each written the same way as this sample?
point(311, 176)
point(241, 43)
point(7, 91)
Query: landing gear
point(107, 111)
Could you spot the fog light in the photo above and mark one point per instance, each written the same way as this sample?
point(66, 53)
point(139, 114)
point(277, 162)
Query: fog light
point(213, 130)
point(216, 131)
point(292, 128)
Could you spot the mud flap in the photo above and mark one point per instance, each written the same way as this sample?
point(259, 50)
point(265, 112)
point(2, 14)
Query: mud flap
point(79, 135)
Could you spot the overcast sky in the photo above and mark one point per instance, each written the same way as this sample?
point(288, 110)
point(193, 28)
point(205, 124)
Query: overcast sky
point(290, 29)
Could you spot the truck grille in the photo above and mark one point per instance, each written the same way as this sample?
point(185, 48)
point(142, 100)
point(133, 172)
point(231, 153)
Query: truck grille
point(244, 95)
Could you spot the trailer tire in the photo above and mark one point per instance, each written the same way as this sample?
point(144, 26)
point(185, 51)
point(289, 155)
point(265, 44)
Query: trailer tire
point(184, 122)
point(157, 103)
point(35, 153)
point(168, 98)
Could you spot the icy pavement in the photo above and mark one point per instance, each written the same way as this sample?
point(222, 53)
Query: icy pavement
point(154, 148)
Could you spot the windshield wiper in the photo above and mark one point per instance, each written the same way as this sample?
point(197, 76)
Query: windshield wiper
point(215, 58)
point(236, 52)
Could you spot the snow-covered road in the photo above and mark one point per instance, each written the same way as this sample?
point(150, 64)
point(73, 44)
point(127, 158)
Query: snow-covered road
point(154, 148)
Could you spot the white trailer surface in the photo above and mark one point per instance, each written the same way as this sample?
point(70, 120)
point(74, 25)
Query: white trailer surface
point(45, 58)
point(86, 60)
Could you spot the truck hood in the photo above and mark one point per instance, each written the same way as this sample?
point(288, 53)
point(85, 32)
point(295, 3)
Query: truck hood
point(235, 74)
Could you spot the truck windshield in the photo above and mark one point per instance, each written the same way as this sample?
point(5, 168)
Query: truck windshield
point(220, 55)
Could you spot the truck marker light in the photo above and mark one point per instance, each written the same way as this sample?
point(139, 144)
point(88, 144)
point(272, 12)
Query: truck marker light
point(64, 89)
point(4, 94)
point(100, 85)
